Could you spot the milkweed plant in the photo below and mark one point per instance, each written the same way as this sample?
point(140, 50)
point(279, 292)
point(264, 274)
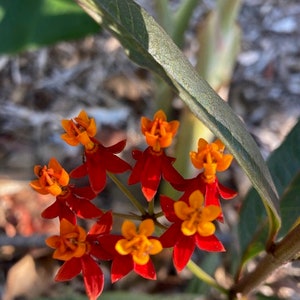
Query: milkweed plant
point(161, 221)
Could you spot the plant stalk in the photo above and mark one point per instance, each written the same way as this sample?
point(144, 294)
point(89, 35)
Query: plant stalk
point(127, 193)
point(279, 254)
point(202, 275)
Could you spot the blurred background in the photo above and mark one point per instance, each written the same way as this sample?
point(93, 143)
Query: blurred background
point(49, 71)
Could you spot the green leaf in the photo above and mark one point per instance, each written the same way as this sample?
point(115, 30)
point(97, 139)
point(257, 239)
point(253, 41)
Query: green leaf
point(27, 24)
point(290, 206)
point(148, 45)
point(284, 165)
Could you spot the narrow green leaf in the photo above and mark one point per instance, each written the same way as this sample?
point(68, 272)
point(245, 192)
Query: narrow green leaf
point(284, 165)
point(27, 24)
point(149, 46)
point(290, 205)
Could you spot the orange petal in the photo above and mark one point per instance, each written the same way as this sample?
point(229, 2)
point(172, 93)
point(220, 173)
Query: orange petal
point(196, 199)
point(122, 247)
point(146, 227)
point(225, 163)
point(141, 259)
point(156, 246)
point(206, 228)
point(181, 209)
point(128, 229)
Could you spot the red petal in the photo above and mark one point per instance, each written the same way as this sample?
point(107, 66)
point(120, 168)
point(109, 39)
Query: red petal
point(170, 174)
point(84, 208)
point(167, 205)
point(170, 237)
point(212, 194)
point(59, 209)
point(136, 173)
point(108, 243)
point(93, 277)
point(69, 269)
point(51, 211)
point(225, 192)
point(96, 172)
point(151, 175)
point(183, 251)
point(149, 193)
point(212, 197)
point(209, 243)
point(121, 266)
point(98, 251)
point(79, 172)
point(115, 164)
point(117, 148)
point(84, 192)
point(103, 225)
point(147, 271)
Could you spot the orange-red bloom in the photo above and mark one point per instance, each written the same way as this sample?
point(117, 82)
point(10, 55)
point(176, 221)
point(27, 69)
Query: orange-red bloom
point(51, 178)
point(153, 164)
point(158, 132)
point(72, 202)
point(132, 250)
point(192, 226)
point(100, 160)
point(79, 249)
point(80, 130)
point(211, 158)
point(70, 243)
point(212, 191)
point(137, 243)
point(149, 168)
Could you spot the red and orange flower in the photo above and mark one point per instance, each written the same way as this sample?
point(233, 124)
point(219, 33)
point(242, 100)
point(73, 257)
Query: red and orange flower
point(192, 225)
point(70, 201)
point(51, 178)
point(98, 159)
point(152, 164)
point(132, 250)
point(209, 158)
point(79, 251)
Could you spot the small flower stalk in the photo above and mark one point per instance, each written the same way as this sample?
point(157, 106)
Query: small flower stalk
point(192, 218)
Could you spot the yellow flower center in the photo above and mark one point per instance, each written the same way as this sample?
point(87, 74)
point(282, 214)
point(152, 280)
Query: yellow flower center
point(137, 243)
point(196, 217)
point(71, 242)
point(51, 178)
point(159, 133)
point(211, 158)
point(80, 130)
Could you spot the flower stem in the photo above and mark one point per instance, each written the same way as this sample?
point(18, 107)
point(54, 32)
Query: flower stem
point(202, 275)
point(151, 208)
point(159, 214)
point(127, 216)
point(127, 193)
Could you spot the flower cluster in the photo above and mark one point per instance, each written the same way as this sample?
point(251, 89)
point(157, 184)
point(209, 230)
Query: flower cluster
point(191, 217)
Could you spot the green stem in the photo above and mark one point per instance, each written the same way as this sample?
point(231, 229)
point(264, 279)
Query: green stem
point(127, 216)
point(159, 214)
point(151, 207)
point(279, 254)
point(202, 275)
point(182, 20)
point(228, 11)
point(127, 193)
